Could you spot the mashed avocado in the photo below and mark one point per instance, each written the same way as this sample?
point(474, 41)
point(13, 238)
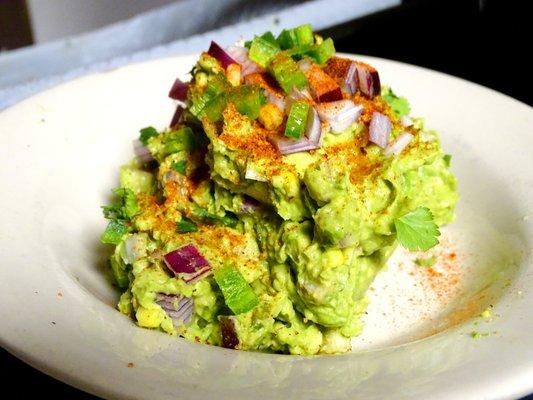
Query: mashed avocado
point(225, 235)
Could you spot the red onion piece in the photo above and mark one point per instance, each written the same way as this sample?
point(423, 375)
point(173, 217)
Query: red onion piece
point(304, 64)
point(379, 129)
point(252, 174)
point(289, 146)
point(176, 118)
point(339, 114)
point(240, 55)
point(141, 151)
point(179, 89)
point(178, 307)
point(406, 121)
point(368, 79)
point(333, 95)
point(230, 340)
point(249, 205)
point(399, 144)
point(313, 129)
point(188, 262)
point(220, 54)
point(273, 98)
point(350, 79)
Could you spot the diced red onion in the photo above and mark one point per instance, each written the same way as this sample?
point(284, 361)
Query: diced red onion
point(289, 146)
point(304, 64)
point(179, 89)
point(368, 79)
point(176, 118)
point(141, 151)
point(339, 114)
point(188, 263)
point(249, 205)
point(313, 129)
point(133, 246)
point(240, 55)
point(296, 94)
point(273, 98)
point(406, 121)
point(350, 79)
point(220, 54)
point(379, 129)
point(332, 95)
point(230, 340)
point(178, 307)
point(399, 144)
point(252, 174)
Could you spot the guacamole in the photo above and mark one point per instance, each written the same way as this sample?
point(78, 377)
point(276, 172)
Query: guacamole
point(258, 219)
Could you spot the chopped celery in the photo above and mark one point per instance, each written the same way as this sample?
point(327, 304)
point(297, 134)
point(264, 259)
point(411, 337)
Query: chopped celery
point(248, 100)
point(262, 50)
point(286, 72)
point(114, 232)
point(238, 294)
point(182, 139)
point(297, 119)
point(299, 36)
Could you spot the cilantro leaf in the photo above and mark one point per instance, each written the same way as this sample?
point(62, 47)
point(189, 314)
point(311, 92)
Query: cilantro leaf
point(125, 208)
point(416, 230)
point(147, 133)
point(179, 166)
point(399, 105)
point(185, 225)
point(447, 159)
point(426, 262)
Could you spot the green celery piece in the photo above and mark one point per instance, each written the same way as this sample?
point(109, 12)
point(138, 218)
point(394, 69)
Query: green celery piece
point(322, 52)
point(182, 139)
point(299, 36)
point(238, 294)
point(114, 232)
point(286, 72)
point(426, 262)
point(147, 133)
point(217, 85)
point(296, 37)
point(179, 166)
point(262, 51)
point(248, 99)
point(297, 119)
point(185, 225)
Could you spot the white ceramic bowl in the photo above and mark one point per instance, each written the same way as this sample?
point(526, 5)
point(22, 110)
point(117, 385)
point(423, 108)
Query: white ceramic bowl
point(60, 153)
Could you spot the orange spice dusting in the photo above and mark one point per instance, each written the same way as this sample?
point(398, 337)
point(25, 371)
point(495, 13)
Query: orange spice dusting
point(320, 82)
point(59, 294)
point(131, 365)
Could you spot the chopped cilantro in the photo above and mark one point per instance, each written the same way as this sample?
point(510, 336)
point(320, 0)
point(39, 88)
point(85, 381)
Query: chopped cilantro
point(179, 166)
point(399, 105)
point(229, 219)
point(126, 207)
point(426, 262)
point(447, 159)
point(478, 335)
point(147, 133)
point(185, 226)
point(114, 232)
point(416, 230)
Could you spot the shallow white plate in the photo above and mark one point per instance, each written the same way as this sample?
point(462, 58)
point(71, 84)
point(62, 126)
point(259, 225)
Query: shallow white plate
point(60, 152)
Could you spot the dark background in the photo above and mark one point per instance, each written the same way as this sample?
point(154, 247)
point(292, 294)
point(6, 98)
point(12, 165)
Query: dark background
point(484, 41)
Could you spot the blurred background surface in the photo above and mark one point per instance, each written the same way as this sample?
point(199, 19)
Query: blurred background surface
point(44, 42)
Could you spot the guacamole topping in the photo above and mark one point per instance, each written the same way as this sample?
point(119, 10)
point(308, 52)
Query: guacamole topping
point(259, 218)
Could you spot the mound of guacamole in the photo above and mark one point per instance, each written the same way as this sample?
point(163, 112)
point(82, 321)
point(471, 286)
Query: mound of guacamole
point(258, 219)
